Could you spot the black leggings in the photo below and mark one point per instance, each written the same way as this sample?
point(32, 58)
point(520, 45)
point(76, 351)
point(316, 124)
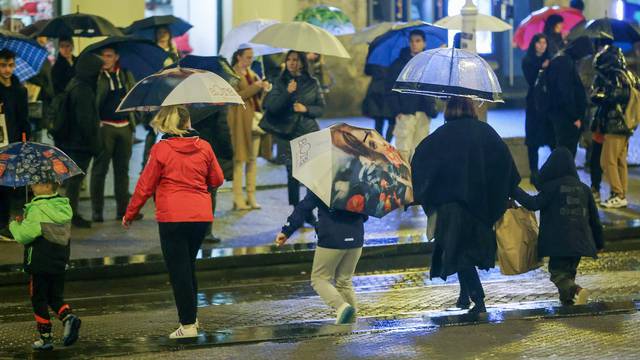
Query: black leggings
point(180, 242)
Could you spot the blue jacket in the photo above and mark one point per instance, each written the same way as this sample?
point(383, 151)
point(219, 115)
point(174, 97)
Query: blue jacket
point(337, 229)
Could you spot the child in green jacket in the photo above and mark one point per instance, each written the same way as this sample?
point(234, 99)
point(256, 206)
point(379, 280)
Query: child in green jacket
point(45, 232)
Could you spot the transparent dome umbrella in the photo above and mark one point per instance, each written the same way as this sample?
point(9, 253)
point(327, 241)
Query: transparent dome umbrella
point(447, 72)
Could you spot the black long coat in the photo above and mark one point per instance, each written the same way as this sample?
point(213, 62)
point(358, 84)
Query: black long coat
point(538, 127)
point(569, 221)
point(376, 102)
point(61, 73)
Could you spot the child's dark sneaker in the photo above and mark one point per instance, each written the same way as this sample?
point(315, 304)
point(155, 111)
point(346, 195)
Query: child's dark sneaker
point(45, 343)
point(346, 313)
point(581, 296)
point(71, 329)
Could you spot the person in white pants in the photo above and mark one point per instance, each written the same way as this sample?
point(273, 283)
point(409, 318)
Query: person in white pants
point(413, 113)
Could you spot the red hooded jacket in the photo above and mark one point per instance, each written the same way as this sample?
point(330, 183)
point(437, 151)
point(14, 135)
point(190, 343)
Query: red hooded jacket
point(179, 172)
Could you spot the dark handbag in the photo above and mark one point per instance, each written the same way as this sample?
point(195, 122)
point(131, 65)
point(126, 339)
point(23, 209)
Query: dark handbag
point(280, 126)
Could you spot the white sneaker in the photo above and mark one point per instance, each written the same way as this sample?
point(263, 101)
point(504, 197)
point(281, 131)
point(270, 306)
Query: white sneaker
point(581, 297)
point(185, 331)
point(615, 202)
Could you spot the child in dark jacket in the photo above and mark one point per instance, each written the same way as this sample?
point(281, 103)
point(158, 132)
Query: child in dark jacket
point(569, 223)
point(340, 238)
point(45, 232)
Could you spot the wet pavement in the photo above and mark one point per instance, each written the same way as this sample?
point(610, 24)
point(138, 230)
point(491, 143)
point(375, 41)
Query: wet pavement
point(401, 316)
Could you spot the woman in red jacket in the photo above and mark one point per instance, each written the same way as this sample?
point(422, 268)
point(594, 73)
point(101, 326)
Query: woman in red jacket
point(180, 170)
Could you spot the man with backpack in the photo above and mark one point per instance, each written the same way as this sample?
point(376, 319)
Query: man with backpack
point(566, 94)
point(76, 124)
point(611, 92)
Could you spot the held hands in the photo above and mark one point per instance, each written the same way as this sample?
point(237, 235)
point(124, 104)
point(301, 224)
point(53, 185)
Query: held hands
point(281, 239)
point(299, 108)
point(293, 86)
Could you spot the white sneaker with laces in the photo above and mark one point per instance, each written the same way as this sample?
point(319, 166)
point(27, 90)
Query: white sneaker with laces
point(185, 331)
point(615, 202)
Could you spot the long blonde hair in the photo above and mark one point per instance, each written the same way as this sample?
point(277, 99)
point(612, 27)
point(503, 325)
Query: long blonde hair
point(172, 119)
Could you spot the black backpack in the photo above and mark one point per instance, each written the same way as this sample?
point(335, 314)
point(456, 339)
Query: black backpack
point(58, 116)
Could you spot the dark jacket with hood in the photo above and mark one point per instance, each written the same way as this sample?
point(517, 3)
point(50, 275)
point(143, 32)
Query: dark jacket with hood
point(61, 73)
point(211, 123)
point(83, 113)
point(15, 105)
point(464, 172)
point(278, 104)
point(610, 92)
point(110, 90)
point(538, 129)
point(376, 103)
point(337, 229)
point(567, 95)
point(569, 221)
point(406, 103)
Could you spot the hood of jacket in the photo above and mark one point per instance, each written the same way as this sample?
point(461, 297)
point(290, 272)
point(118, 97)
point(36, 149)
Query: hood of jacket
point(185, 144)
point(579, 48)
point(54, 208)
point(560, 164)
point(88, 68)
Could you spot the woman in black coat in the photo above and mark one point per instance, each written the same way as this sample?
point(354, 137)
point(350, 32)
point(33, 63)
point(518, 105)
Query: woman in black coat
point(538, 129)
point(375, 104)
point(292, 106)
point(463, 173)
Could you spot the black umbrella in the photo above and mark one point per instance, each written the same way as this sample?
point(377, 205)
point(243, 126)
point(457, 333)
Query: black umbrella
point(146, 28)
point(140, 56)
point(620, 31)
point(34, 29)
point(81, 25)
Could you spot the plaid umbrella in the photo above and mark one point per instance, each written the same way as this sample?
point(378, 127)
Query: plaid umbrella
point(27, 163)
point(29, 54)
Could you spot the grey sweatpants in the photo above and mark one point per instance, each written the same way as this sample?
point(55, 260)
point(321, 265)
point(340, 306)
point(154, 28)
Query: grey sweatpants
point(335, 266)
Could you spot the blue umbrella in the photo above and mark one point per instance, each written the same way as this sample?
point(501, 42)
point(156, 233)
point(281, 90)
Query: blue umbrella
point(385, 49)
point(447, 72)
point(140, 56)
point(27, 163)
point(146, 28)
point(29, 54)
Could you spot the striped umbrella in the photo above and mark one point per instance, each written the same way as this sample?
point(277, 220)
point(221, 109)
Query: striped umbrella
point(29, 54)
point(179, 86)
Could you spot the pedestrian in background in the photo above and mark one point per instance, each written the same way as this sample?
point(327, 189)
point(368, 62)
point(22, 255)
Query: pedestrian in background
point(63, 69)
point(413, 113)
point(45, 231)
point(538, 129)
point(463, 175)
point(611, 92)
point(165, 41)
point(14, 124)
point(375, 104)
point(245, 139)
point(340, 238)
point(294, 103)
point(181, 170)
point(567, 96)
point(569, 223)
point(82, 141)
point(115, 135)
point(553, 27)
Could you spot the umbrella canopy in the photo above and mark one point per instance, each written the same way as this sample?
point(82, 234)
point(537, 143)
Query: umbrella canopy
point(34, 29)
point(329, 18)
point(213, 64)
point(140, 56)
point(371, 32)
point(80, 25)
point(146, 28)
point(301, 36)
point(534, 23)
point(449, 72)
point(29, 54)
point(483, 23)
point(354, 169)
point(241, 35)
point(27, 163)
point(385, 49)
point(179, 86)
point(617, 30)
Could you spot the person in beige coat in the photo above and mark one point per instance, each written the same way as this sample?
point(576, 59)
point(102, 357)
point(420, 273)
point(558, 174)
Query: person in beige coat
point(245, 140)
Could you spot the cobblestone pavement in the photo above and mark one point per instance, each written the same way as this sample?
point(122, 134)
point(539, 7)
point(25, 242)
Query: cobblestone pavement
point(133, 317)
